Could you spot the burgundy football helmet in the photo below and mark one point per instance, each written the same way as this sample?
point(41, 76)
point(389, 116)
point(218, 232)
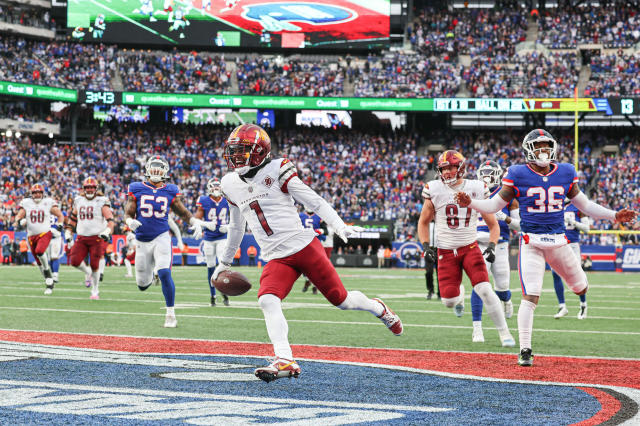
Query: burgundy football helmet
point(451, 158)
point(90, 186)
point(248, 146)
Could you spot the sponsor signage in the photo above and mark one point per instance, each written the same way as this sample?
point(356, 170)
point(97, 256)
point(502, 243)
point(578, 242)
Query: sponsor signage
point(631, 258)
point(34, 91)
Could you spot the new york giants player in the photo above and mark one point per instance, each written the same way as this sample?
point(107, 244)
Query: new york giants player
point(458, 249)
point(56, 247)
point(34, 213)
point(574, 224)
point(540, 186)
point(215, 209)
point(147, 214)
point(312, 221)
point(261, 193)
point(491, 174)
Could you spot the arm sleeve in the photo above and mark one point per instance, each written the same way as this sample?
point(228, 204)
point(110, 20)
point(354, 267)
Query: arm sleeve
point(583, 225)
point(592, 209)
point(175, 229)
point(237, 224)
point(312, 201)
point(515, 219)
point(492, 205)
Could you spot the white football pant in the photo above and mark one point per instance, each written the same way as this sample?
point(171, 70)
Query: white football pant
point(155, 253)
point(213, 249)
point(499, 269)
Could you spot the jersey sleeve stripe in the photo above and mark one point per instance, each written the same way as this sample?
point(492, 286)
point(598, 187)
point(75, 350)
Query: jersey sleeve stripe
point(517, 191)
point(284, 177)
point(231, 202)
point(283, 187)
point(426, 194)
point(570, 186)
point(130, 194)
point(507, 182)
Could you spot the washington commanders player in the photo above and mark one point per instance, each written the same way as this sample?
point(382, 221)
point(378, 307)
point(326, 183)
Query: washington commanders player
point(147, 214)
point(261, 193)
point(458, 249)
point(35, 213)
point(540, 186)
point(92, 219)
point(215, 209)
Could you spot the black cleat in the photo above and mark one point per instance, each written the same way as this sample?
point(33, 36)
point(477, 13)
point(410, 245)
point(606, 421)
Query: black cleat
point(314, 290)
point(307, 284)
point(101, 277)
point(213, 301)
point(225, 300)
point(526, 358)
point(430, 295)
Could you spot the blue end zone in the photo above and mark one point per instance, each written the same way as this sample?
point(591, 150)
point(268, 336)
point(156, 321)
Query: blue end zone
point(137, 389)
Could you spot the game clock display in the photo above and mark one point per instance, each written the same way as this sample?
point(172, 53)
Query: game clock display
point(92, 97)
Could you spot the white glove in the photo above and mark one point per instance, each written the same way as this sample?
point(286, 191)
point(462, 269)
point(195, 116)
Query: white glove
point(105, 234)
point(223, 228)
point(221, 267)
point(133, 224)
point(501, 216)
point(196, 228)
point(347, 232)
point(319, 231)
point(68, 235)
point(211, 226)
point(23, 222)
point(55, 233)
point(180, 245)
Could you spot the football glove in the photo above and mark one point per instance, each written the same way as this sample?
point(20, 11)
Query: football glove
point(196, 228)
point(221, 267)
point(501, 216)
point(133, 224)
point(105, 234)
point(348, 231)
point(429, 254)
point(224, 229)
point(490, 253)
point(23, 222)
point(211, 226)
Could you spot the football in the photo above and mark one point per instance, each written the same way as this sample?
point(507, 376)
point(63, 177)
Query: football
point(231, 283)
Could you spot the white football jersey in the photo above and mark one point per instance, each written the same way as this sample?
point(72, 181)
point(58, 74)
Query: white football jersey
point(455, 226)
point(269, 209)
point(38, 214)
point(89, 214)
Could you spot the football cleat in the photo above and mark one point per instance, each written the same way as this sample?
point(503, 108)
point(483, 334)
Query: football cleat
point(508, 309)
point(48, 290)
point(87, 282)
point(459, 308)
point(477, 336)
point(314, 290)
point(563, 311)
point(507, 340)
point(225, 300)
point(128, 276)
point(306, 286)
point(94, 296)
point(525, 359)
point(278, 369)
point(430, 295)
point(213, 301)
point(48, 282)
point(170, 321)
point(583, 312)
point(390, 319)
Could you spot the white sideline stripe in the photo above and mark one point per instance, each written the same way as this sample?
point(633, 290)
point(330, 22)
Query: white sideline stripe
point(626, 333)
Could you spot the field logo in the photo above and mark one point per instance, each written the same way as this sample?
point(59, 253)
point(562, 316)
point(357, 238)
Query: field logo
point(281, 16)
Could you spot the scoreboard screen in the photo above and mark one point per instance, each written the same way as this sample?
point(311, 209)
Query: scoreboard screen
point(293, 24)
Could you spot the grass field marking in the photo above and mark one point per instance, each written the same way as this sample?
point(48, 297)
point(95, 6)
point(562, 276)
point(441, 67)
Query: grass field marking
point(195, 339)
point(377, 324)
point(134, 22)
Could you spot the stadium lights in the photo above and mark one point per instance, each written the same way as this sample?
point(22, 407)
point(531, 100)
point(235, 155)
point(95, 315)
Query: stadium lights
point(18, 134)
point(50, 135)
point(9, 133)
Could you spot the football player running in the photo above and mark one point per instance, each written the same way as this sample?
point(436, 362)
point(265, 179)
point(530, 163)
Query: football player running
point(508, 218)
point(56, 248)
point(457, 233)
point(540, 186)
point(92, 219)
point(215, 209)
point(35, 213)
point(574, 222)
point(261, 193)
point(147, 214)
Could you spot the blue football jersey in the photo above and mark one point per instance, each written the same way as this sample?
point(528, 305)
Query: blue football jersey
point(152, 208)
point(216, 212)
point(541, 197)
point(505, 233)
point(312, 222)
point(572, 233)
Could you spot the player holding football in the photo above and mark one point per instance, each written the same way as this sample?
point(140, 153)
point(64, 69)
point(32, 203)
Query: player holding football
point(508, 218)
point(34, 213)
point(574, 222)
point(312, 221)
point(147, 214)
point(457, 246)
point(261, 192)
point(92, 219)
point(215, 209)
point(540, 186)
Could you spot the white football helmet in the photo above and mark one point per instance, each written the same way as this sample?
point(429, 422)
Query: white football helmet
point(214, 188)
point(490, 173)
point(156, 169)
point(536, 155)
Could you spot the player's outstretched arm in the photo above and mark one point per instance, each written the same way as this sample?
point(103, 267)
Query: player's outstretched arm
point(491, 205)
point(597, 211)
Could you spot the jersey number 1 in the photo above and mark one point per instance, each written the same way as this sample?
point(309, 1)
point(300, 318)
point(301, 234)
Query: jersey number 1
point(263, 220)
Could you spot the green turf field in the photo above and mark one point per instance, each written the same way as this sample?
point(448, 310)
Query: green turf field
point(611, 330)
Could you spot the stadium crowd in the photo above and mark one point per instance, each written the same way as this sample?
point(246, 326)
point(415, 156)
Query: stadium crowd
point(366, 176)
point(613, 75)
